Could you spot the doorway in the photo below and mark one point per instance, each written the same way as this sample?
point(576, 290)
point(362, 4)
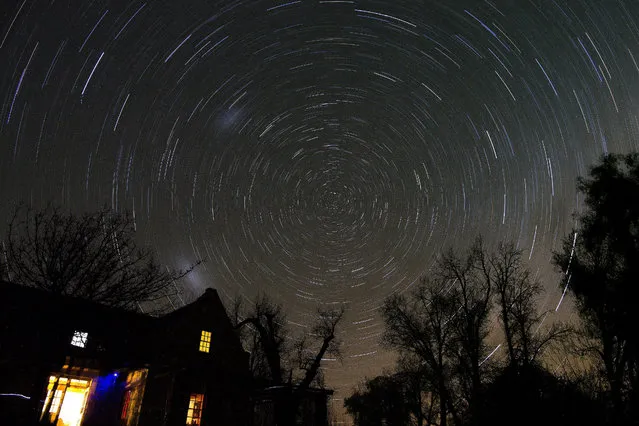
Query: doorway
point(66, 400)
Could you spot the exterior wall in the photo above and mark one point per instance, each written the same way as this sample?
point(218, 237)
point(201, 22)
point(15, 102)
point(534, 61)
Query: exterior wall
point(103, 405)
point(35, 338)
point(167, 398)
point(181, 369)
point(154, 404)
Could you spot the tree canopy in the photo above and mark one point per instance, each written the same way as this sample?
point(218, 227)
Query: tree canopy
point(441, 330)
point(91, 255)
point(600, 263)
point(278, 358)
point(442, 325)
point(380, 401)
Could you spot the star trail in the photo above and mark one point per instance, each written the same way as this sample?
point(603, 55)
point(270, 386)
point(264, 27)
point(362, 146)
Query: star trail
point(321, 151)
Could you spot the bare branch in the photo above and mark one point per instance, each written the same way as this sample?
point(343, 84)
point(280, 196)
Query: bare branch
point(92, 256)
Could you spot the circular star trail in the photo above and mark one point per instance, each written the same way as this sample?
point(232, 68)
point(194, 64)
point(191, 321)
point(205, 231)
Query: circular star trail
point(320, 151)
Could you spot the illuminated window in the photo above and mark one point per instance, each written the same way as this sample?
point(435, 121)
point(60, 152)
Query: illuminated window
point(65, 401)
point(57, 395)
point(79, 338)
point(205, 341)
point(196, 404)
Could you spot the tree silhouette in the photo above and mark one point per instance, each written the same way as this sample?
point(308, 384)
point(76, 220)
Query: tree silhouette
point(516, 295)
point(419, 326)
point(280, 360)
point(529, 395)
point(92, 256)
point(380, 401)
point(441, 329)
point(263, 330)
point(600, 263)
point(471, 289)
point(416, 379)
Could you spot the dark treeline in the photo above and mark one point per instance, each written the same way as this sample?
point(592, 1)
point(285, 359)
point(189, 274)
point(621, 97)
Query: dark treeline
point(452, 368)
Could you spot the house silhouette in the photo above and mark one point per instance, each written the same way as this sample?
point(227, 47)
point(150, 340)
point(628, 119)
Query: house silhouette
point(74, 362)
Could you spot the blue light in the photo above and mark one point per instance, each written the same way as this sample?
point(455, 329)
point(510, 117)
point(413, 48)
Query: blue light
point(106, 384)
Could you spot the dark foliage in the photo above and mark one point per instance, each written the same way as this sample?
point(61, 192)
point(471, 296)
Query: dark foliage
point(600, 260)
point(380, 401)
point(530, 396)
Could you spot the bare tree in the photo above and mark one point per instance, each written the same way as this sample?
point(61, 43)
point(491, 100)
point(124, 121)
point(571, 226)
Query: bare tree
point(517, 294)
point(324, 333)
point(417, 378)
point(269, 336)
point(420, 326)
point(91, 256)
point(446, 321)
point(471, 289)
point(279, 359)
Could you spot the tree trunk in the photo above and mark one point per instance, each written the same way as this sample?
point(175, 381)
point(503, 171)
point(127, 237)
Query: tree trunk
point(507, 329)
point(443, 398)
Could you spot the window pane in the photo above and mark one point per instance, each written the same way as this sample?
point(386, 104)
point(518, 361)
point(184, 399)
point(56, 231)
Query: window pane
point(194, 413)
point(205, 341)
point(79, 338)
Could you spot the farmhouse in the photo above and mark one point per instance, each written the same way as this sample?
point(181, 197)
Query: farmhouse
point(73, 362)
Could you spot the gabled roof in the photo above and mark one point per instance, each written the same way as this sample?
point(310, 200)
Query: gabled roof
point(209, 296)
point(16, 295)
point(207, 312)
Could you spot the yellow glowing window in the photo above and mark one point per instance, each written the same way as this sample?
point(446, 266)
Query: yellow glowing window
point(65, 401)
point(205, 341)
point(196, 404)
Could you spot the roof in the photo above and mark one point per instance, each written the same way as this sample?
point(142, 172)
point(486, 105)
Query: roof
point(15, 295)
point(20, 295)
point(209, 295)
point(117, 334)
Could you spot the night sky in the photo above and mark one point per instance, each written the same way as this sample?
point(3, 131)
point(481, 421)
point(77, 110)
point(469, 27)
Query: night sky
point(321, 151)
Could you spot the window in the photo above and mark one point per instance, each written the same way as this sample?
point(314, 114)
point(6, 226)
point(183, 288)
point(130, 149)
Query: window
point(196, 404)
point(66, 400)
point(57, 395)
point(79, 338)
point(205, 341)
point(134, 392)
